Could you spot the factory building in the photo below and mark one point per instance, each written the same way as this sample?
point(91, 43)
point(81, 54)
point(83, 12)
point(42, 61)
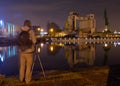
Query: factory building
point(83, 25)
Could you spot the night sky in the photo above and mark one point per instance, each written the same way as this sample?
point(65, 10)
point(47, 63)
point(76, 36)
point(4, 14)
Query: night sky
point(40, 12)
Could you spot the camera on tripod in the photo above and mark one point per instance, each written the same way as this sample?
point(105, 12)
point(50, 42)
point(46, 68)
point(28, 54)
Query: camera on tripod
point(37, 56)
point(37, 48)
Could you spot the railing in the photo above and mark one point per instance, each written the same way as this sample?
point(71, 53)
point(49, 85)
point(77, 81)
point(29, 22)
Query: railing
point(76, 40)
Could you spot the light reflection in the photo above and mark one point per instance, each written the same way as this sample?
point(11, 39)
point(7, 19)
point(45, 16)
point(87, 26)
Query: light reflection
point(116, 44)
point(42, 44)
point(106, 45)
point(61, 44)
point(106, 49)
point(51, 48)
point(6, 52)
point(38, 49)
point(1, 57)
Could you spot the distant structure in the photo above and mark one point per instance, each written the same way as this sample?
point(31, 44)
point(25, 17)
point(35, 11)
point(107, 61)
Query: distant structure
point(8, 30)
point(37, 30)
point(106, 29)
point(83, 25)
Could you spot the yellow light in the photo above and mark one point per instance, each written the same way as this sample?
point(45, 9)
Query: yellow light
point(42, 44)
point(106, 29)
point(51, 30)
point(38, 50)
point(51, 48)
point(38, 29)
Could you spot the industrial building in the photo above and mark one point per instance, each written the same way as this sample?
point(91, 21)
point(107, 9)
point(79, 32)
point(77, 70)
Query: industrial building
point(82, 25)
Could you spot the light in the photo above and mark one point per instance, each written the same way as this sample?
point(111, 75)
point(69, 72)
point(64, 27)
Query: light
point(51, 48)
point(115, 44)
point(61, 44)
point(106, 45)
point(38, 49)
point(51, 30)
point(1, 57)
point(1, 23)
point(42, 44)
point(106, 29)
point(38, 29)
point(41, 30)
point(115, 32)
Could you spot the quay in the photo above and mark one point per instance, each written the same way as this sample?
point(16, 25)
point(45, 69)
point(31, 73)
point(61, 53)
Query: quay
point(77, 40)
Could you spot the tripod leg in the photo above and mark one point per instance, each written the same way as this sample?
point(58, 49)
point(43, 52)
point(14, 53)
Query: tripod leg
point(34, 58)
point(41, 66)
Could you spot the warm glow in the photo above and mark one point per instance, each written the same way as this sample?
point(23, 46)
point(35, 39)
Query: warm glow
point(106, 29)
point(51, 30)
point(42, 44)
point(38, 50)
point(41, 30)
point(51, 48)
point(106, 45)
point(61, 44)
point(38, 29)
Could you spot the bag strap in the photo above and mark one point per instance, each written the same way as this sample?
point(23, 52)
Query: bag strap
point(28, 30)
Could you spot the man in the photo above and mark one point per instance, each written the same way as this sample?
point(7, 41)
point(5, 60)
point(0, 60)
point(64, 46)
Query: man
point(26, 56)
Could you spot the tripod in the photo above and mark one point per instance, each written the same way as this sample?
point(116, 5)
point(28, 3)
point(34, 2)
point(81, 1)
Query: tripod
point(36, 56)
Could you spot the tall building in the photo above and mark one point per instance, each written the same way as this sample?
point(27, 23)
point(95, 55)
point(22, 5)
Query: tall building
point(85, 24)
point(8, 29)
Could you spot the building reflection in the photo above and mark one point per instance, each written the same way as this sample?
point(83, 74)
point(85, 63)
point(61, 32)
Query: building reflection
point(80, 54)
point(6, 52)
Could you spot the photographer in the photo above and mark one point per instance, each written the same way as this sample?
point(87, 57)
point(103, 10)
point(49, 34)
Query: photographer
point(26, 55)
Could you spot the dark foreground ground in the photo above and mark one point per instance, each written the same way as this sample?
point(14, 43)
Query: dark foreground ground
point(97, 76)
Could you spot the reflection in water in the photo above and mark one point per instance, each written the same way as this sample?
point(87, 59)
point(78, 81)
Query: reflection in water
point(80, 53)
point(87, 54)
point(106, 48)
point(6, 52)
point(53, 49)
point(64, 56)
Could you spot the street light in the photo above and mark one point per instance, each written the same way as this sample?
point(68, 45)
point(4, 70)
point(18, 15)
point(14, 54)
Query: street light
point(51, 30)
point(38, 29)
point(41, 30)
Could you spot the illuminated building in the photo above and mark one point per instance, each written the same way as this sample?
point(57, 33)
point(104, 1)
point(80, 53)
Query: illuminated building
point(39, 32)
point(85, 24)
point(8, 30)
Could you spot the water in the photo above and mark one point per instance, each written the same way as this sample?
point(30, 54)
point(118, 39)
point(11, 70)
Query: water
point(62, 56)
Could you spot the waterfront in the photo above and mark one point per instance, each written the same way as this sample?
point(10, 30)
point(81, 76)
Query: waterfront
point(63, 56)
point(84, 60)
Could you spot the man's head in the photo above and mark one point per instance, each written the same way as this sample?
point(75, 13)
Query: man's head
point(27, 23)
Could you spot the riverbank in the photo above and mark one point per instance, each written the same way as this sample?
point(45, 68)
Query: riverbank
point(96, 76)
